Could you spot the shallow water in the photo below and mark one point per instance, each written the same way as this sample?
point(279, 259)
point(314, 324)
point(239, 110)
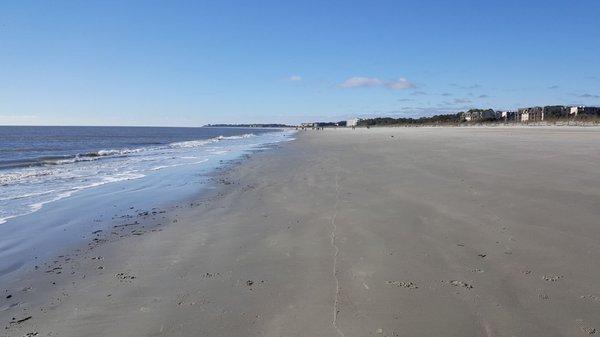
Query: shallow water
point(64, 179)
point(39, 165)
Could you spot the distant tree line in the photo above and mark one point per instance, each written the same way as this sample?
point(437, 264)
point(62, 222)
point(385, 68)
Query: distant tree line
point(331, 124)
point(437, 119)
point(551, 113)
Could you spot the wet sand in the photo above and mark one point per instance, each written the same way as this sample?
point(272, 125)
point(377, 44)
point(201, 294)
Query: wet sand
point(380, 232)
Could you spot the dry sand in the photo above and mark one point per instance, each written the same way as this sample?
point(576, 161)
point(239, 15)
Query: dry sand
point(380, 232)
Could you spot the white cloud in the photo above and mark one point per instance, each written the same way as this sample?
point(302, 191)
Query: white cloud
point(400, 84)
point(360, 82)
point(294, 78)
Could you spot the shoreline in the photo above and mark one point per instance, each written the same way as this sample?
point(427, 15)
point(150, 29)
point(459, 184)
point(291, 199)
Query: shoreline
point(46, 283)
point(380, 232)
point(66, 215)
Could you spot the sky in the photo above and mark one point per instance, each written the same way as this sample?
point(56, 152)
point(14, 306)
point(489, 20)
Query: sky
point(189, 63)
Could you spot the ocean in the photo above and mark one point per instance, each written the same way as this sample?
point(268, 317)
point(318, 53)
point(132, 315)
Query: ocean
point(52, 178)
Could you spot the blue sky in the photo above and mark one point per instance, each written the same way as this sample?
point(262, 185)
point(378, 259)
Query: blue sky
point(188, 63)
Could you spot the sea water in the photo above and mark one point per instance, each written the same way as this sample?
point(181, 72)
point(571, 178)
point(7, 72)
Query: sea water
point(56, 181)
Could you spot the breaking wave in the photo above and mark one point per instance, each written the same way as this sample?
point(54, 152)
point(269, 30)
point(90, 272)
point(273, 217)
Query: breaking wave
point(109, 153)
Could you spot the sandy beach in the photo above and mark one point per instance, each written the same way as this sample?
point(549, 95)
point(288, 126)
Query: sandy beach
point(379, 232)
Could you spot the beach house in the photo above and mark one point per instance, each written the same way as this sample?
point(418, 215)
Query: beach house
point(532, 114)
point(507, 115)
point(352, 122)
point(584, 110)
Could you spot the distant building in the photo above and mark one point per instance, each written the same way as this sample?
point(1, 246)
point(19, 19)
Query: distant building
point(556, 112)
point(546, 113)
point(308, 125)
point(507, 115)
point(352, 122)
point(533, 114)
point(584, 111)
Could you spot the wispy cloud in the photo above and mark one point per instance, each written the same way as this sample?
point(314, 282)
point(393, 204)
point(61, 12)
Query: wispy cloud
point(294, 78)
point(483, 96)
point(586, 95)
point(472, 86)
point(400, 84)
point(419, 93)
point(360, 82)
point(405, 99)
point(552, 87)
point(365, 82)
point(461, 101)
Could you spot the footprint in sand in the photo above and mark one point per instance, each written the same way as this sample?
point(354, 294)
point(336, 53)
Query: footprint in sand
point(588, 330)
point(542, 295)
point(552, 278)
point(125, 277)
point(590, 297)
point(461, 284)
point(403, 284)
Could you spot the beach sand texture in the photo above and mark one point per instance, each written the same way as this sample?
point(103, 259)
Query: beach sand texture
point(380, 232)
